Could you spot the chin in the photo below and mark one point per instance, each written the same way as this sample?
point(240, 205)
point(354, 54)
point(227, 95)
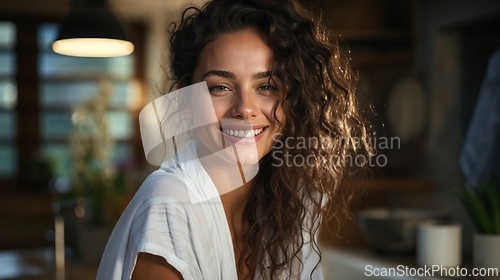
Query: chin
point(247, 154)
point(248, 160)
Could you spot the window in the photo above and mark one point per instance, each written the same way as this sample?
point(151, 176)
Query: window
point(68, 82)
point(40, 91)
point(8, 100)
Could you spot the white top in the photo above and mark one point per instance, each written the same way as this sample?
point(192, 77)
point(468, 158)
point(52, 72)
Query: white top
point(193, 238)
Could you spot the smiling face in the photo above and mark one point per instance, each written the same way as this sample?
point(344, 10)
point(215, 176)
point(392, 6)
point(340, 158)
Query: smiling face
point(236, 67)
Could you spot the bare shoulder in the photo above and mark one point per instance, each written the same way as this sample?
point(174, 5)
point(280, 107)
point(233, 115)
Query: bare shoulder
point(154, 267)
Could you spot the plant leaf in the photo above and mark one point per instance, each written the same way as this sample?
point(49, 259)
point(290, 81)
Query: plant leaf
point(493, 198)
point(476, 209)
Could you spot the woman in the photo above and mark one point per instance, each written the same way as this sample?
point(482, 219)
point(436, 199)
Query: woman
point(280, 117)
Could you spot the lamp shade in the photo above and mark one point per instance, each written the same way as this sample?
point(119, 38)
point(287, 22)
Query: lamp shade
point(91, 29)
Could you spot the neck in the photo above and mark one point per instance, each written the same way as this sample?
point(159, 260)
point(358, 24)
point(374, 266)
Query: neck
point(235, 203)
point(234, 182)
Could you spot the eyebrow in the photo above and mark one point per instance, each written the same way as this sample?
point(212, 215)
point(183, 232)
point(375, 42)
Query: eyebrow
point(261, 75)
point(230, 75)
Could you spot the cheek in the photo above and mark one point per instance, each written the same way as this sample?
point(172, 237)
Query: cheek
point(275, 116)
point(280, 115)
point(221, 108)
point(271, 106)
point(200, 109)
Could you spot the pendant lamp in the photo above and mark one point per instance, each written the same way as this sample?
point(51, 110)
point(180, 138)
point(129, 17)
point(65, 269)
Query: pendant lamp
point(91, 29)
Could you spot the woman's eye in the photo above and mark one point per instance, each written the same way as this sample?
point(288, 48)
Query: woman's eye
point(218, 89)
point(267, 88)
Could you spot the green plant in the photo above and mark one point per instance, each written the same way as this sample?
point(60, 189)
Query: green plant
point(482, 202)
point(94, 176)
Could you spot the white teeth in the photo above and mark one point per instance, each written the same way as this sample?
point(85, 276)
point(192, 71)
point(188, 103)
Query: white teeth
point(244, 133)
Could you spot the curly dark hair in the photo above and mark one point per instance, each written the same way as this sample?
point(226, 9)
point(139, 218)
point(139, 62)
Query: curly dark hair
point(319, 103)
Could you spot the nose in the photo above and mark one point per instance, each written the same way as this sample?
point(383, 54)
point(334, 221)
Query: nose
point(245, 105)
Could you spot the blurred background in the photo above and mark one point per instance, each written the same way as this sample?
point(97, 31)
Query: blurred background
point(421, 65)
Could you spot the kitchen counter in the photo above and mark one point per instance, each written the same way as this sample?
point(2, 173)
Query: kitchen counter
point(38, 264)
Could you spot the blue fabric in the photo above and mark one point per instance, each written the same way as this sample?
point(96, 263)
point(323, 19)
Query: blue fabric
point(480, 156)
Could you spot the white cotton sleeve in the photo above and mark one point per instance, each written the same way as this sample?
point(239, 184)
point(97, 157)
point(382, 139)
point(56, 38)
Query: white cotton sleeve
point(155, 222)
point(163, 230)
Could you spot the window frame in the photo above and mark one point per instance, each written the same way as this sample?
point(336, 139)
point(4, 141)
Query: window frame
point(28, 111)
